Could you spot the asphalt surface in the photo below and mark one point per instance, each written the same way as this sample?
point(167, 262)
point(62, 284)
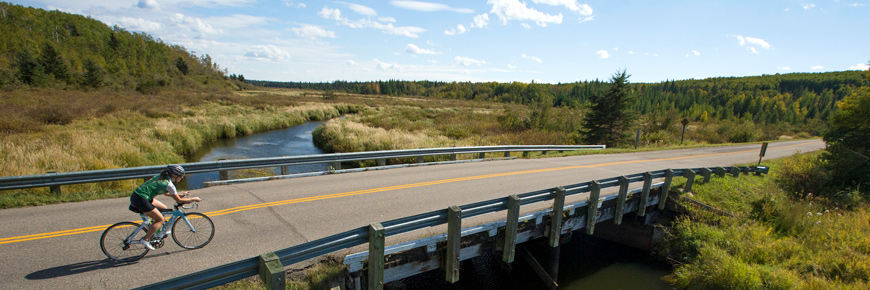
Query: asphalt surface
point(57, 246)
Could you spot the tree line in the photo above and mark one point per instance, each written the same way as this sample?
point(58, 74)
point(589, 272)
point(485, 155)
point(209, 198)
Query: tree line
point(42, 48)
point(780, 98)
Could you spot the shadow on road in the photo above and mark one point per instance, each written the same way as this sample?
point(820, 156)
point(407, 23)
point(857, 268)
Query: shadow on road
point(77, 268)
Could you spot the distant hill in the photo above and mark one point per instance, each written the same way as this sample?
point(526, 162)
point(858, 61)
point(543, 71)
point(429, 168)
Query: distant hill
point(40, 48)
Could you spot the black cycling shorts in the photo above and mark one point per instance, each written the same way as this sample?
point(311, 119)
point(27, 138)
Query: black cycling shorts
point(143, 205)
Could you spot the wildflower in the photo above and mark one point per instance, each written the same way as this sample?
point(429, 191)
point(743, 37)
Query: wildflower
point(826, 211)
point(809, 214)
point(818, 213)
point(818, 223)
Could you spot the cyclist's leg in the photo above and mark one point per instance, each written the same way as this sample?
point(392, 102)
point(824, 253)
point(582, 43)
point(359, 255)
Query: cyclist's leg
point(157, 216)
point(158, 204)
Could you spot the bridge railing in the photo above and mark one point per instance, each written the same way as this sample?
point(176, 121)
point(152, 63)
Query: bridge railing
point(66, 178)
point(250, 267)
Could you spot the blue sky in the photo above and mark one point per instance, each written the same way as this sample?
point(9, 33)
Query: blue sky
point(546, 41)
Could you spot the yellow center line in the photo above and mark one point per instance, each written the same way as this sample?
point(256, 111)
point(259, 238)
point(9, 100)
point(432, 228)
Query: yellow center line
point(374, 190)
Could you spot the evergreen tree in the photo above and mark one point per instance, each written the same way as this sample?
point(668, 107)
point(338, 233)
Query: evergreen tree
point(181, 65)
point(93, 76)
point(611, 116)
point(53, 64)
point(29, 69)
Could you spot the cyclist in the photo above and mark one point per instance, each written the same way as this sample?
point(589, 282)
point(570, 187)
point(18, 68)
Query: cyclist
point(143, 200)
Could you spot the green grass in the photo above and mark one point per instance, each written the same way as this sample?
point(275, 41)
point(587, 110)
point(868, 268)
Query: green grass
point(774, 241)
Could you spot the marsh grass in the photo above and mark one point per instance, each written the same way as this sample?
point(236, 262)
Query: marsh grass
point(774, 241)
point(315, 277)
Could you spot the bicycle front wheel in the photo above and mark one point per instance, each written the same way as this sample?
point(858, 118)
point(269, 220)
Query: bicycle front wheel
point(116, 242)
point(195, 236)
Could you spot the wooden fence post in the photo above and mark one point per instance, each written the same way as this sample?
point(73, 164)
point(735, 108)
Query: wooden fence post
point(454, 236)
point(376, 256)
point(706, 174)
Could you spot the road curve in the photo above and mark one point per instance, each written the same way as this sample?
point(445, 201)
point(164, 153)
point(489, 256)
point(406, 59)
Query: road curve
point(57, 246)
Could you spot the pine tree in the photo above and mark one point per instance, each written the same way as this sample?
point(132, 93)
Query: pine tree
point(93, 76)
point(181, 65)
point(611, 117)
point(53, 64)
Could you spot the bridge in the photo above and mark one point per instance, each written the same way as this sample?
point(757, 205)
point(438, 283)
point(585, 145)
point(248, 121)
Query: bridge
point(57, 245)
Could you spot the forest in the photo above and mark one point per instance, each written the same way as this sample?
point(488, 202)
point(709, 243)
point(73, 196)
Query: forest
point(53, 49)
point(797, 98)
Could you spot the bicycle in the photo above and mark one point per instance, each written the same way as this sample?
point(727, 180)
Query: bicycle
point(118, 241)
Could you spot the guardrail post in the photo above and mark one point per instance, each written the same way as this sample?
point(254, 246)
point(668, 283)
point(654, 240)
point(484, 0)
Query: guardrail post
point(666, 188)
point(482, 155)
point(507, 154)
point(55, 189)
point(454, 236)
point(735, 171)
point(285, 170)
point(644, 194)
point(336, 165)
point(720, 172)
point(419, 159)
point(544, 152)
point(272, 272)
point(690, 178)
point(376, 256)
point(453, 157)
point(592, 206)
point(510, 228)
point(620, 201)
point(382, 162)
point(706, 173)
point(556, 217)
point(526, 154)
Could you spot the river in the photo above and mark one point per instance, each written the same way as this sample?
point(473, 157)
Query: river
point(585, 263)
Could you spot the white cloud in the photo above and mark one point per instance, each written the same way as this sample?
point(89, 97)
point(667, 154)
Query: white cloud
point(332, 14)
point(411, 48)
point(508, 10)
point(428, 7)
point(291, 4)
point(196, 25)
point(693, 53)
point(860, 66)
point(751, 43)
point(602, 54)
point(510, 66)
point(312, 32)
point(582, 9)
point(809, 6)
point(139, 24)
point(785, 68)
point(590, 18)
point(481, 20)
point(817, 67)
point(387, 19)
point(466, 61)
point(267, 52)
point(460, 29)
point(351, 63)
point(532, 58)
point(360, 9)
point(384, 66)
point(148, 4)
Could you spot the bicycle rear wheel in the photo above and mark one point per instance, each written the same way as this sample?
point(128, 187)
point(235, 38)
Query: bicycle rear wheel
point(193, 237)
point(116, 242)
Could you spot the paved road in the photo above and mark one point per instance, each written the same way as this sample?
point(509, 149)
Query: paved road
point(57, 246)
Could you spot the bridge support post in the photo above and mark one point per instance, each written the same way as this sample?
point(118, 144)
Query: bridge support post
point(690, 178)
point(272, 272)
point(666, 188)
point(549, 280)
point(620, 201)
point(510, 228)
point(454, 235)
point(592, 207)
point(706, 173)
point(556, 217)
point(644, 194)
point(376, 256)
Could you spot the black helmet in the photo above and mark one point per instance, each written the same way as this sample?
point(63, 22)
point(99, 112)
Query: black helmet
point(175, 169)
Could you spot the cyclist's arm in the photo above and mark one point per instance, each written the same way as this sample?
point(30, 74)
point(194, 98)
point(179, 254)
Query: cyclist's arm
point(173, 193)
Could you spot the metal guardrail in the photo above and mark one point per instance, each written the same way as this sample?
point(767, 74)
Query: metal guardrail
point(66, 178)
point(249, 267)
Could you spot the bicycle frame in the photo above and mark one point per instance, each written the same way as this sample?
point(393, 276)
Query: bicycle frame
point(167, 225)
